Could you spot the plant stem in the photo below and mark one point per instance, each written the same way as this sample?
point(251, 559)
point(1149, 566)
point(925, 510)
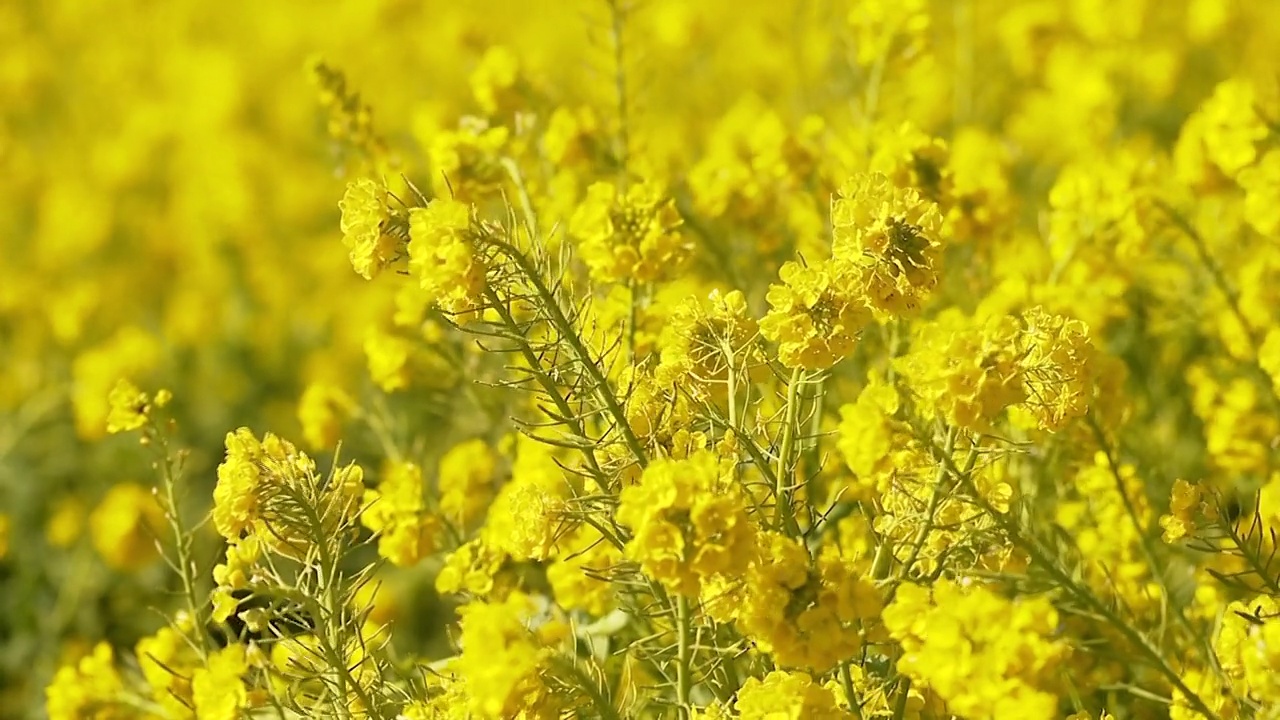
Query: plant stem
point(783, 475)
point(182, 546)
point(684, 659)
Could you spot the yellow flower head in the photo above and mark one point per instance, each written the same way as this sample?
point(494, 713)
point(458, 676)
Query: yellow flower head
point(892, 233)
point(128, 407)
point(631, 234)
point(444, 257)
point(815, 314)
point(689, 522)
point(365, 224)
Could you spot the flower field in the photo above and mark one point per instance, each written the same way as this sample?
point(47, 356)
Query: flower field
point(388, 359)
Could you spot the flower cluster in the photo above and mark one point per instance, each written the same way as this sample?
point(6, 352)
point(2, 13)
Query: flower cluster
point(985, 656)
point(629, 234)
point(689, 522)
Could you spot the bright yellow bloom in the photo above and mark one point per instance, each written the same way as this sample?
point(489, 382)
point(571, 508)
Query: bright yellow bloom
point(1061, 368)
point(477, 569)
point(629, 235)
point(1232, 127)
point(494, 81)
point(321, 412)
point(805, 613)
point(1183, 507)
point(707, 339)
point(1248, 646)
point(91, 688)
point(389, 357)
point(466, 163)
point(689, 522)
point(408, 530)
point(444, 257)
point(501, 660)
point(466, 481)
point(66, 522)
point(986, 656)
point(1261, 185)
point(892, 234)
point(167, 659)
point(128, 407)
point(365, 224)
point(527, 517)
point(966, 371)
point(816, 313)
point(261, 484)
point(787, 695)
point(218, 690)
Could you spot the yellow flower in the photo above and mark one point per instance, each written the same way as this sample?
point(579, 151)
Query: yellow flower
point(805, 613)
point(444, 257)
point(1232, 127)
point(1183, 506)
point(476, 569)
point(218, 690)
point(787, 695)
point(125, 524)
point(90, 688)
point(707, 339)
point(365, 225)
point(1261, 185)
point(128, 407)
point(984, 655)
point(466, 481)
point(494, 81)
point(891, 233)
point(578, 573)
point(816, 314)
point(501, 659)
point(389, 357)
point(1061, 368)
point(870, 436)
point(968, 371)
point(65, 522)
point(407, 529)
point(466, 164)
point(689, 522)
point(527, 517)
point(261, 485)
point(629, 235)
point(166, 659)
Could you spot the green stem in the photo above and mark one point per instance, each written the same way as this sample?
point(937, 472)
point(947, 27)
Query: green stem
point(548, 385)
point(182, 546)
point(557, 317)
point(333, 609)
point(684, 656)
point(587, 685)
point(1144, 536)
point(900, 707)
point(617, 27)
point(783, 474)
point(935, 499)
point(846, 682)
